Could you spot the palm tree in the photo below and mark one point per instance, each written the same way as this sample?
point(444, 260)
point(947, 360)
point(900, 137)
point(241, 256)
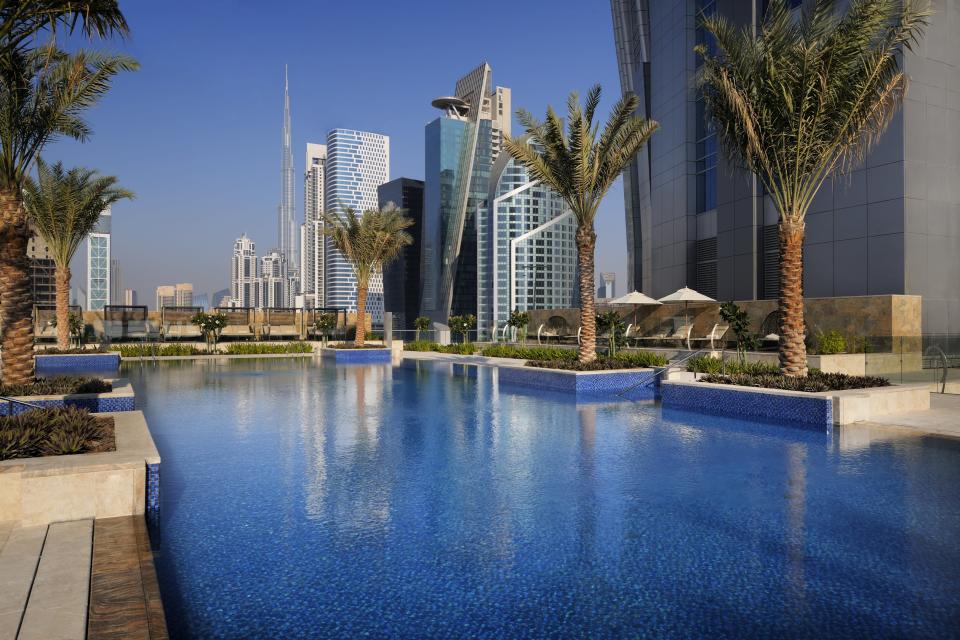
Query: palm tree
point(64, 206)
point(801, 101)
point(582, 169)
point(22, 20)
point(368, 242)
point(43, 92)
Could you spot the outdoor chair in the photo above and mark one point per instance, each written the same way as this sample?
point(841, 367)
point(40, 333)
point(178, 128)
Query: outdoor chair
point(239, 325)
point(716, 335)
point(281, 324)
point(681, 335)
point(125, 322)
point(176, 323)
point(660, 334)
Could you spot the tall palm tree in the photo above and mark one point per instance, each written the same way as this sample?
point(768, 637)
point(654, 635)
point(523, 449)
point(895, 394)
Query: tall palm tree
point(22, 20)
point(64, 206)
point(43, 93)
point(582, 169)
point(368, 242)
point(801, 101)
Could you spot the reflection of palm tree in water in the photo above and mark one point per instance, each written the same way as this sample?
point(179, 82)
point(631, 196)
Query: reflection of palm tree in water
point(796, 512)
point(587, 502)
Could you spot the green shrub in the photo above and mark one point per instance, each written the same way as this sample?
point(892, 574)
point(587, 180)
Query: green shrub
point(58, 385)
point(148, 351)
point(814, 381)
point(261, 348)
point(463, 348)
point(831, 342)
point(631, 360)
point(528, 353)
point(707, 364)
point(54, 431)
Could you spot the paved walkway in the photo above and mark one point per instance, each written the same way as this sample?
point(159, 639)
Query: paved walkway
point(943, 418)
point(81, 579)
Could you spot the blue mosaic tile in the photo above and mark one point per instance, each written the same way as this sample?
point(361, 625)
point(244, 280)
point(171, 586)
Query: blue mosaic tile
point(635, 384)
point(92, 403)
point(153, 487)
point(815, 411)
point(80, 363)
point(357, 356)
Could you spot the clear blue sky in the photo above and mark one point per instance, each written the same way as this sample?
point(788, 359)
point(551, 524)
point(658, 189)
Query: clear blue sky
point(196, 132)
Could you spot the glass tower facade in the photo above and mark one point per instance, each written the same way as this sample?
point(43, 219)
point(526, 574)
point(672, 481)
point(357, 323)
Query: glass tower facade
point(527, 249)
point(98, 264)
point(357, 163)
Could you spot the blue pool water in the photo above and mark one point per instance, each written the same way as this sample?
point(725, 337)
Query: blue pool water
point(302, 499)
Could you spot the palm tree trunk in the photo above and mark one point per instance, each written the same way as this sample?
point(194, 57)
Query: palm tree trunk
point(62, 278)
point(16, 301)
point(793, 351)
point(586, 243)
point(361, 315)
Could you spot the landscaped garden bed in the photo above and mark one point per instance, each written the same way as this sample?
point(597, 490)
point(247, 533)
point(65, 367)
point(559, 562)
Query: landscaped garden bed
point(463, 349)
point(630, 360)
point(55, 431)
point(59, 385)
point(815, 381)
point(234, 348)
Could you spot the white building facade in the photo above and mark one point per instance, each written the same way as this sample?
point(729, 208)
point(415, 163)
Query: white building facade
point(98, 264)
point(275, 282)
point(311, 231)
point(357, 163)
point(244, 274)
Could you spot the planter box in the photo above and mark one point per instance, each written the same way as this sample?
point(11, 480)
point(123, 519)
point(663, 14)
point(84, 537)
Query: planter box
point(852, 364)
point(357, 356)
point(37, 491)
point(822, 410)
point(76, 363)
point(121, 398)
point(636, 383)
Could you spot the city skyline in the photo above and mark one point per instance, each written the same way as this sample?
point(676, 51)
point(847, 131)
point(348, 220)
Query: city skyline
point(210, 165)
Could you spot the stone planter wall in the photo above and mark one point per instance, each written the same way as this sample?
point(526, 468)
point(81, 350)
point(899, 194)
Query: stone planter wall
point(37, 491)
point(122, 398)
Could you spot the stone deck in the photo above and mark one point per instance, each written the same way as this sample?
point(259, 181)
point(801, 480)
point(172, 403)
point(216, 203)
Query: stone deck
point(81, 579)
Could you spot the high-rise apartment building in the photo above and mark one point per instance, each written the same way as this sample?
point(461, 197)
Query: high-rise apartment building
point(129, 297)
point(244, 274)
point(608, 286)
point(890, 227)
point(286, 229)
point(178, 295)
point(274, 280)
point(526, 249)
point(311, 232)
point(220, 298)
point(401, 277)
point(116, 290)
point(461, 147)
point(98, 264)
point(357, 163)
point(42, 272)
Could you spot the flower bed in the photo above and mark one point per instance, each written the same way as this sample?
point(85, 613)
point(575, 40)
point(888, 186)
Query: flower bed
point(55, 431)
point(59, 385)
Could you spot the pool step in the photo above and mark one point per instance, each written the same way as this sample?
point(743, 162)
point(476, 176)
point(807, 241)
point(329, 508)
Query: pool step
point(82, 579)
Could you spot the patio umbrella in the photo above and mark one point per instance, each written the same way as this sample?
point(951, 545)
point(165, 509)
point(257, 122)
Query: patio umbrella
point(636, 299)
point(686, 296)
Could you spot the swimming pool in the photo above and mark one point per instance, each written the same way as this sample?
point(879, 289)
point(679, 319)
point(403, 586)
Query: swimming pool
point(302, 499)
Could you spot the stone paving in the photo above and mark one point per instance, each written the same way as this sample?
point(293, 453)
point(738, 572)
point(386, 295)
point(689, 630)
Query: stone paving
point(943, 418)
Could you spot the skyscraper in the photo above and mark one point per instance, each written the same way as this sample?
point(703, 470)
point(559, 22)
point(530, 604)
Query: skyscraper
point(178, 295)
point(129, 297)
point(42, 272)
point(526, 250)
point(116, 290)
point(311, 232)
point(286, 230)
point(274, 280)
point(889, 227)
point(244, 272)
point(357, 163)
point(401, 277)
point(461, 146)
point(98, 264)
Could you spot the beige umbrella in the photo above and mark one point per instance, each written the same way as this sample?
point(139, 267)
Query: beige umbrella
point(686, 296)
point(635, 299)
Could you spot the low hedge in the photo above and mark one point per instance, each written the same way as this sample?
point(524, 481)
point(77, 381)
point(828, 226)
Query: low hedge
point(56, 386)
point(631, 360)
point(54, 431)
point(462, 348)
point(813, 382)
point(148, 351)
point(528, 353)
point(706, 364)
point(55, 351)
point(351, 345)
point(260, 348)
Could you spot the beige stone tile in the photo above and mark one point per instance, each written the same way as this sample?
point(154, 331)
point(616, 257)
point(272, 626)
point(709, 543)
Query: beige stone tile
point(9, 623)
point(10, 485)
point(53, 624)
point(114, 495)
